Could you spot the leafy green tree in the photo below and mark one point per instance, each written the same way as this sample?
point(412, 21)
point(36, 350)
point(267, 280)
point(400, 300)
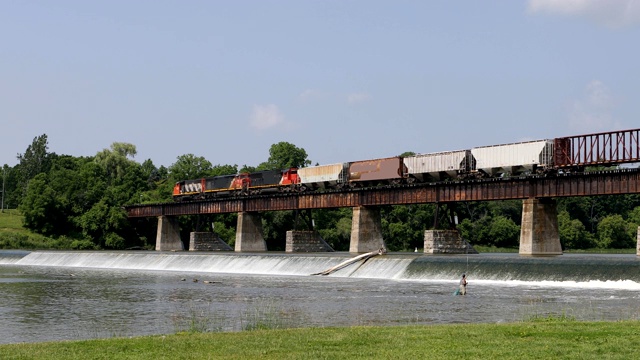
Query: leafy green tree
point(504, 232)
point(403, 226)
point(334, 226)
point(7, 187)
point(189, 167)
point(613, 232)
point(585, 209)
point(478, 231)
point(511, 209)
point(573, 234)
point(41, 207)
point(247, 169)
point(284, 155)
point(115, 161)
point(34, 161)
point(219, 170)
point(634, 216)
point(226, 231)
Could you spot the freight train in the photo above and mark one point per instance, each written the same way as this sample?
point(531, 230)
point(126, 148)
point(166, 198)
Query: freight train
point(548, 157)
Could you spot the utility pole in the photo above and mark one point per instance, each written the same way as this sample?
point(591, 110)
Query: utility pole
point(2, 204)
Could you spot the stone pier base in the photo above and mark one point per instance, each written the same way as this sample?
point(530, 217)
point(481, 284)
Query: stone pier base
point(638, 246)
point(306, 241)
point(168, 235)
point(539, 230)
point(366, 230)
point(249, 233)
point(207, 241)
point(446, 242)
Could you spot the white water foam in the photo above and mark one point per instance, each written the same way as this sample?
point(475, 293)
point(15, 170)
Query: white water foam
point(385, 267)
point(218, 263)
point(591, 284)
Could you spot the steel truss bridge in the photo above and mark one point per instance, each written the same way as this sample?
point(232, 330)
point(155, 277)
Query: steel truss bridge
point(615, 182)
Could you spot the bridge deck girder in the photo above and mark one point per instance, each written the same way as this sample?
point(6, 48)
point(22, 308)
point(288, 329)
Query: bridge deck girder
point(587, 184)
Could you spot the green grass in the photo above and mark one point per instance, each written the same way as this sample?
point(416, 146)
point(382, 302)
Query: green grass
point(530, 340)
point(14, 236)
point(11, 219)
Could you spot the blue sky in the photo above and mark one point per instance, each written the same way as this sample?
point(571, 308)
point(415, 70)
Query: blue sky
point(345, 80)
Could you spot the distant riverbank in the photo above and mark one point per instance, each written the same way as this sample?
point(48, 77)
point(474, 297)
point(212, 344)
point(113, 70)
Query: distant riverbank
point(14, 236)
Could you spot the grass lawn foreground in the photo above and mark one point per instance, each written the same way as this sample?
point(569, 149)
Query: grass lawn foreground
point(551, 339)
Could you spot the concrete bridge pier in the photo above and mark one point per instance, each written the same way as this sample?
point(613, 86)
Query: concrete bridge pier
point(306, 241)
point(249, 233)
point(539, 230)
point(446, 242)
point(207, 241)
point(366, 230)
point(168, 235)
point(638, 246)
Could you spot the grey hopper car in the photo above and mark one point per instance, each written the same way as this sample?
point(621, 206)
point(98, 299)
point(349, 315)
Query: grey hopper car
point(439, 166)
point(514, 159)
point(324, 176)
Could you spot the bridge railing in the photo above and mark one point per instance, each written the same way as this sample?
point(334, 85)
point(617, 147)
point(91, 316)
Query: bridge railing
point(610, 148)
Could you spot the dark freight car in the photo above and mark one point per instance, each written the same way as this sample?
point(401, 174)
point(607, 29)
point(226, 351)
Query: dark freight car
point(373, 172)
point(216, 183)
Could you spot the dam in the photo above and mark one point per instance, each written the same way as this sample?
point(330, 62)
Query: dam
point(64, 295)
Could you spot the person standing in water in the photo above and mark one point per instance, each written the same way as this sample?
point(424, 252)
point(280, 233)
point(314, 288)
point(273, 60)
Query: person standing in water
point(463, 285)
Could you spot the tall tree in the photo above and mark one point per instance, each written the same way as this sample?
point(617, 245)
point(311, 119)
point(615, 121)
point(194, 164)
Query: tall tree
point(190, 166)
point(115, 161)
point(34, 161)
point(284, 155)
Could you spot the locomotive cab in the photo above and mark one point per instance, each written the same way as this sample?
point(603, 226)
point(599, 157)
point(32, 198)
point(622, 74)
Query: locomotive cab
point(177, 187)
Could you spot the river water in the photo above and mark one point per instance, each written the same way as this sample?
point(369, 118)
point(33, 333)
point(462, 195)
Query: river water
point(48, 295)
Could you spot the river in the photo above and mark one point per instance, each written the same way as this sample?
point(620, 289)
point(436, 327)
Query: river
point(51, 295)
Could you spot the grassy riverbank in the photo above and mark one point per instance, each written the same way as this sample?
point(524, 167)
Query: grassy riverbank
point(531, 340)
point(14, 236)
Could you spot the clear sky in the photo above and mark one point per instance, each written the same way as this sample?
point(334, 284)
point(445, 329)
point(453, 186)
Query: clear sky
point(345, 80)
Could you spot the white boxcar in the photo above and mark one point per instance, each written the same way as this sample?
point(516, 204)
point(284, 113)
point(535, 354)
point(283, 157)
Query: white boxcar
point(438, 166)
point(323, 176)
point(513, 159)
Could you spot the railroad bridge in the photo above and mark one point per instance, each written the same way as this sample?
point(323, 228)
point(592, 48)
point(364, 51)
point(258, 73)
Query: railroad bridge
point(539, 229)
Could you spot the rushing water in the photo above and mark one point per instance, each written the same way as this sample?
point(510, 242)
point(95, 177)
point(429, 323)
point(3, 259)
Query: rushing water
point(76, 295)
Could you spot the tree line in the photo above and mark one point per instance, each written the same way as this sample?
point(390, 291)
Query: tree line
point(80, 199)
